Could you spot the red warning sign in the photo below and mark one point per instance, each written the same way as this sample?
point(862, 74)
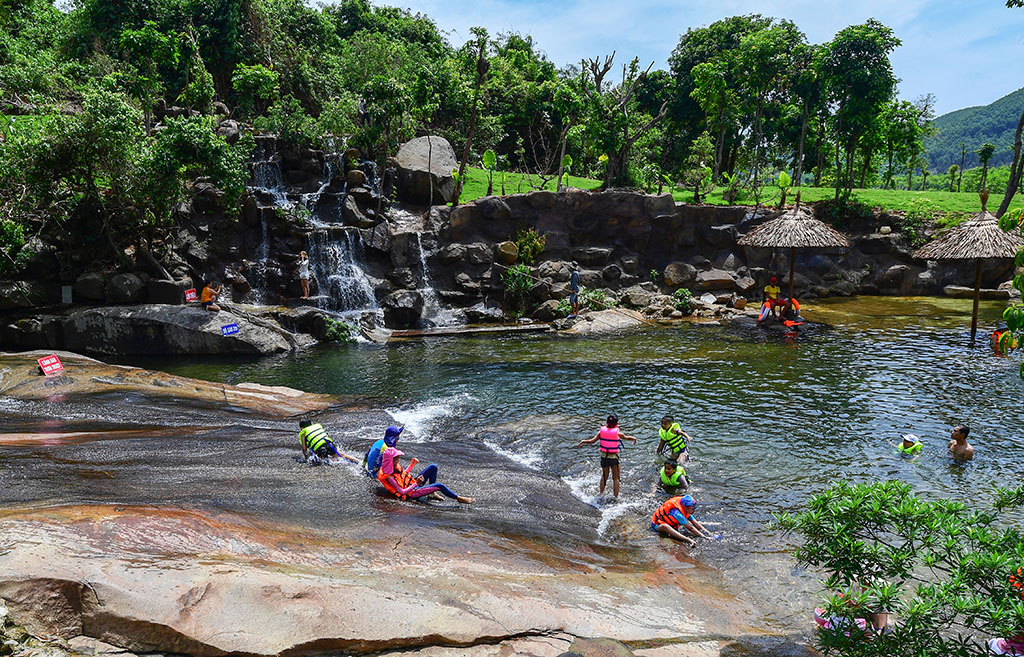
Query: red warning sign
point(190, 294)
point(51, 365)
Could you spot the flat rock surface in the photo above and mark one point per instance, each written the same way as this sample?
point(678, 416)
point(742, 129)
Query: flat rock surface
point(606, 321)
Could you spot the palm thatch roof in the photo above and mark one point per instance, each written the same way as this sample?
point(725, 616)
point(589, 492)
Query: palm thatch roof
point(795, 228)
point(978, 237)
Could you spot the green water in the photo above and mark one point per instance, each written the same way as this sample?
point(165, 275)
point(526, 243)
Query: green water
point(773, 419)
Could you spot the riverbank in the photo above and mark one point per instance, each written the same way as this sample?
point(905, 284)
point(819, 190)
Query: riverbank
point(157, 513)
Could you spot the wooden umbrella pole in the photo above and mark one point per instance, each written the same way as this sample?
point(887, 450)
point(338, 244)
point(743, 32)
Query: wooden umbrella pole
point(792, 270)
point(977, 297)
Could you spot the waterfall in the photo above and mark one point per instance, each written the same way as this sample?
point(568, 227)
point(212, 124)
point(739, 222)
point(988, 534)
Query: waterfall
point(343, 284)
point(434, 313)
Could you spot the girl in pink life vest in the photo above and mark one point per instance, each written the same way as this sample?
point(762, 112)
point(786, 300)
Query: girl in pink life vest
point(610, 442)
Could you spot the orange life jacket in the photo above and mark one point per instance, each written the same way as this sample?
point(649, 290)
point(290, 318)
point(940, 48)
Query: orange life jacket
point(404, 481)
point(663, 516)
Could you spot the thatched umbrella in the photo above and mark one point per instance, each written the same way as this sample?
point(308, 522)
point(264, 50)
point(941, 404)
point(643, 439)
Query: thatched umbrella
point(978, 238)
point(795, 229)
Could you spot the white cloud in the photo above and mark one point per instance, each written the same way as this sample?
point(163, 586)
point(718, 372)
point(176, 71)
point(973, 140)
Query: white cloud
point(964, 51)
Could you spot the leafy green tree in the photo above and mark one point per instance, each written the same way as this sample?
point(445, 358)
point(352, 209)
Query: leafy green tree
point(984, 153)
point(699, 174)
point(256, 87)
point(859, 80)
point(482, 66)
point(954, 169)
point(148, 49)
point(937, 571)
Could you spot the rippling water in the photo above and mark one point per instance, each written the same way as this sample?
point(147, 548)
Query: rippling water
point(773, 420)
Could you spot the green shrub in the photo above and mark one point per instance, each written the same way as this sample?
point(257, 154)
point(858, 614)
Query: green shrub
point(916, 216)
point(291, 124)
point(339, 331)
point(530, 244)
point(255, 87)
point(845, 214)
point(518, 284)
point(951, 219)
point(681, 299)
point(596, 299)
point(655, 276)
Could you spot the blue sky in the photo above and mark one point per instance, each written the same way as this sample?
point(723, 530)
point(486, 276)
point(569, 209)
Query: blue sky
point(966, 52)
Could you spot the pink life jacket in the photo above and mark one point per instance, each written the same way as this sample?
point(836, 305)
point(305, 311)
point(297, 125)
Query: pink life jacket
point(610, 440)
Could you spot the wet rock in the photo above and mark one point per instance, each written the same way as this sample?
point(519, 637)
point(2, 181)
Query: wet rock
point(355, 178)
point(220, 109)
point(466, 283)
point(250, 211)
point(361, 195)
point(91, 285)
point(893, 277)
point(240, 285)
point(402, 308)
point(353, 215)
point(715, 279)
point(506, 253)
point(379, 237)
point(155, 329)
point(547, 311)
point(482, 313)
point(125, 288)
point(403, 278)
point(416, 175)
point(606, 321)
point(679, 273)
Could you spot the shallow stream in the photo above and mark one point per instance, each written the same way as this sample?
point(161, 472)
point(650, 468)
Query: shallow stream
point(773, 420)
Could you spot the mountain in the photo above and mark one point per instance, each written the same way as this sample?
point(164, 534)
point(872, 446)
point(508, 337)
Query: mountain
point(973, 126)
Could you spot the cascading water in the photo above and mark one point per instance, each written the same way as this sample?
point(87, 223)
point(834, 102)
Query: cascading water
point(434, 313)
point(344, 285)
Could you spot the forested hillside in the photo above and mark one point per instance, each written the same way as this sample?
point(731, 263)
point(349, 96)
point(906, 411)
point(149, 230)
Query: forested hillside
point(994, 123)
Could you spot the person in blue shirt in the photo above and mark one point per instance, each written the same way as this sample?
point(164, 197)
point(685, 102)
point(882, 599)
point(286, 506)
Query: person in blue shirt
point(374, 455)
point(675, 514)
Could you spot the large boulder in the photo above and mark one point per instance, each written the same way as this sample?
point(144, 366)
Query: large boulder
point(91, 285)
point(679, 273)
point(715, 279)
point(402, 308)
point(168, 292)
point(125, 288)
point(415, 177)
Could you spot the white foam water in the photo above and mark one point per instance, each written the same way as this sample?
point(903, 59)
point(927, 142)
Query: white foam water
point(420, 418)
point(531, 460)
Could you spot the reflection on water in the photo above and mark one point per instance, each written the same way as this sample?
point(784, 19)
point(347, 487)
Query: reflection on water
point(772, 420)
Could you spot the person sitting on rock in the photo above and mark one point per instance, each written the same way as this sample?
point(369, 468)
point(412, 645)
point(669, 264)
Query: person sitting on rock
point(374, 455)
point(402, 485)
point(673, 476)
point(675, 514)
point(208, 300)
point(317, 446)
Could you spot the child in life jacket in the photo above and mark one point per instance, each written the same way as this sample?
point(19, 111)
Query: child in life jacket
point(610, 443)
point(403, 485)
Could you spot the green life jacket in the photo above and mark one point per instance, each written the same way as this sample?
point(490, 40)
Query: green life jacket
point(913, 449)
point(314, 437)
point(673, 439)
point(676, 479)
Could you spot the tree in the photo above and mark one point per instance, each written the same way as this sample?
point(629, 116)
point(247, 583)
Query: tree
point(616, 123)
point(946, 571)
point(859, 80)
point(698, 173)
point(149, 49)
point(953, 170)
point(963, 156)
point(255, 87)
point(482, 66)
point(1016, 169)
point(984, 153)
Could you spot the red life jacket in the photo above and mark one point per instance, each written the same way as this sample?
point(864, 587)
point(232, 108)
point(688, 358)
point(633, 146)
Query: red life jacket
point(610, 440)
point(663, 516)
point(404, 481)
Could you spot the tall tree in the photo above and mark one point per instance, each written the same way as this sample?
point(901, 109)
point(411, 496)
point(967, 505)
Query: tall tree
point(984, 153)
point(482, 66)
point(859, 80)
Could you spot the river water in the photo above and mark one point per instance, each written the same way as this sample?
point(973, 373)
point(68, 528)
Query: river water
point(773, 418)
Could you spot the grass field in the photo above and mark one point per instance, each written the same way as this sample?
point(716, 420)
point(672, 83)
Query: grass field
point(882, 199)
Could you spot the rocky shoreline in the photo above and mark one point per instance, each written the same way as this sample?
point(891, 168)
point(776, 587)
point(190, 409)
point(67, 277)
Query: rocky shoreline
point(149, 572)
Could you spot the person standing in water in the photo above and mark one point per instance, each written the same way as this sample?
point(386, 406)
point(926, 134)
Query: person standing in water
point(304, 273)
point(672, 435)
point(958, 445)
point(574, 289)
point(610, 438)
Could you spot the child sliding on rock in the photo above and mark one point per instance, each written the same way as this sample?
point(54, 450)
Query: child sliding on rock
point(611, 442)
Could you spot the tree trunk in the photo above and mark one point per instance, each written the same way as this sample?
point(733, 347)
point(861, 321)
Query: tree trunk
point(1016, 169)
point(800, 150)
point(888, 171)
point(756, 182)
point(864, 170)
point(910, 179)
point(561, 154)
point(839, 155)
point(963, 158)
point(720, 146)
point(481, 71)
point(977, 295)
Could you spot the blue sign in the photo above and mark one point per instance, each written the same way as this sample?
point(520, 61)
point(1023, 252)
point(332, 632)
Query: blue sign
point(229, 329)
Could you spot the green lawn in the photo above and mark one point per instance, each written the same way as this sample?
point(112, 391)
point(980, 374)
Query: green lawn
point(883, 199)
point(515, 183)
